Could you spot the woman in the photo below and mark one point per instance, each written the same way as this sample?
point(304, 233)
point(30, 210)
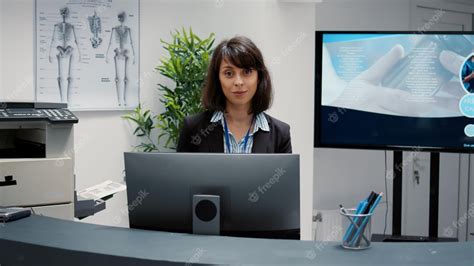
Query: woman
point(237, 91)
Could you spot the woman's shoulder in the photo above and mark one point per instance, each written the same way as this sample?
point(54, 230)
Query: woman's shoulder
point(280, 133)
point(278, 124)
point(197, 119)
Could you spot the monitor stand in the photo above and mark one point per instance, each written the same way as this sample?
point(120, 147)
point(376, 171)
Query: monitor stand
point(206, 214)
point(397, 204)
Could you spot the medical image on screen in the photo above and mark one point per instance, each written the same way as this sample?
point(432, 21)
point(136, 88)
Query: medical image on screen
point(467, 74)
point(396, 89)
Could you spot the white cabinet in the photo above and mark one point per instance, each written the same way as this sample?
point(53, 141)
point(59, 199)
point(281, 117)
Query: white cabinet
point(38, 182)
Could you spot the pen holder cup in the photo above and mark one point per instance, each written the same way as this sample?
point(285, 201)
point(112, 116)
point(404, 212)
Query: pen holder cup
point(357, 228)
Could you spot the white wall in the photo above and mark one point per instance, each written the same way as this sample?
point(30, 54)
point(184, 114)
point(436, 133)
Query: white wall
point(17, 50)
point(345, 176)
point(363, 14)
point(283, 31)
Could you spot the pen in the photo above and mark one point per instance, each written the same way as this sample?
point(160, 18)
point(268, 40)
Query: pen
point(364, 210)
point(366, 219)
point(360, 207)
point(343, 210)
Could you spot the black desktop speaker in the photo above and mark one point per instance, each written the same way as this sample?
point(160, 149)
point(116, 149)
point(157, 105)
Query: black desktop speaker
point(206, 214)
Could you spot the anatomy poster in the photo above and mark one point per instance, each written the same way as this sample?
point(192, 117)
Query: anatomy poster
point(87, 53)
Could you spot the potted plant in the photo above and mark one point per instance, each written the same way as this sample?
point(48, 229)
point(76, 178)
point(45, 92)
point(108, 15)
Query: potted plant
point(186, 64)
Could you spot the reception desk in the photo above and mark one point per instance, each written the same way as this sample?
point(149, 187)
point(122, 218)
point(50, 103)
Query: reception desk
point(38, 240)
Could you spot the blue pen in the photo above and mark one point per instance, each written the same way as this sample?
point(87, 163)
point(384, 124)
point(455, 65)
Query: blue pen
point(366, 219)
point(359, 209)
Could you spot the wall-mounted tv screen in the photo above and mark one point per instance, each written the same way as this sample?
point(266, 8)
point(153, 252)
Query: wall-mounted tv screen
point(395, 90)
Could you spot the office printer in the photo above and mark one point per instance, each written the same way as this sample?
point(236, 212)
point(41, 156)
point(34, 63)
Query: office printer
point(37, 157)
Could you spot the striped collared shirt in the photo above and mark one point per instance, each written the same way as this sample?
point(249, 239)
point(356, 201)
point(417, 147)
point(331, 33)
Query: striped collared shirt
point(261, 123)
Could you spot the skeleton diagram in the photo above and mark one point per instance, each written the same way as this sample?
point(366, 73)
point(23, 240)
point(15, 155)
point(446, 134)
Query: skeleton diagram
point(65, 41)
point(96, 28)
point(121, 42)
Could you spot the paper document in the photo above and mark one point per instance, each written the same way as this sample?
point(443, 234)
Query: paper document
point(101, 190)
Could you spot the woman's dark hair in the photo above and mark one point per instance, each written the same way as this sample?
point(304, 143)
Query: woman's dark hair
point(243, 53)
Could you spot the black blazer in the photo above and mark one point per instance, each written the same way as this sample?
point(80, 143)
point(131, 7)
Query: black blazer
point(198, 134)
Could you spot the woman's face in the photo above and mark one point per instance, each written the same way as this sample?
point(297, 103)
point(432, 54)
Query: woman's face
point(239, 85)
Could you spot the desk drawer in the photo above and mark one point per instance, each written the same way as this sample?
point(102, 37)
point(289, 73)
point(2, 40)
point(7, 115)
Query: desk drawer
point(36, 182)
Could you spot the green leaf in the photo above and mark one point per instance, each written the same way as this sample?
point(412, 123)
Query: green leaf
point(186, 65)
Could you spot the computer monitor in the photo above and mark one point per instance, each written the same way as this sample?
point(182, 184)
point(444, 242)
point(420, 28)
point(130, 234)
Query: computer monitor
point(394, 90)
point(259, 193)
